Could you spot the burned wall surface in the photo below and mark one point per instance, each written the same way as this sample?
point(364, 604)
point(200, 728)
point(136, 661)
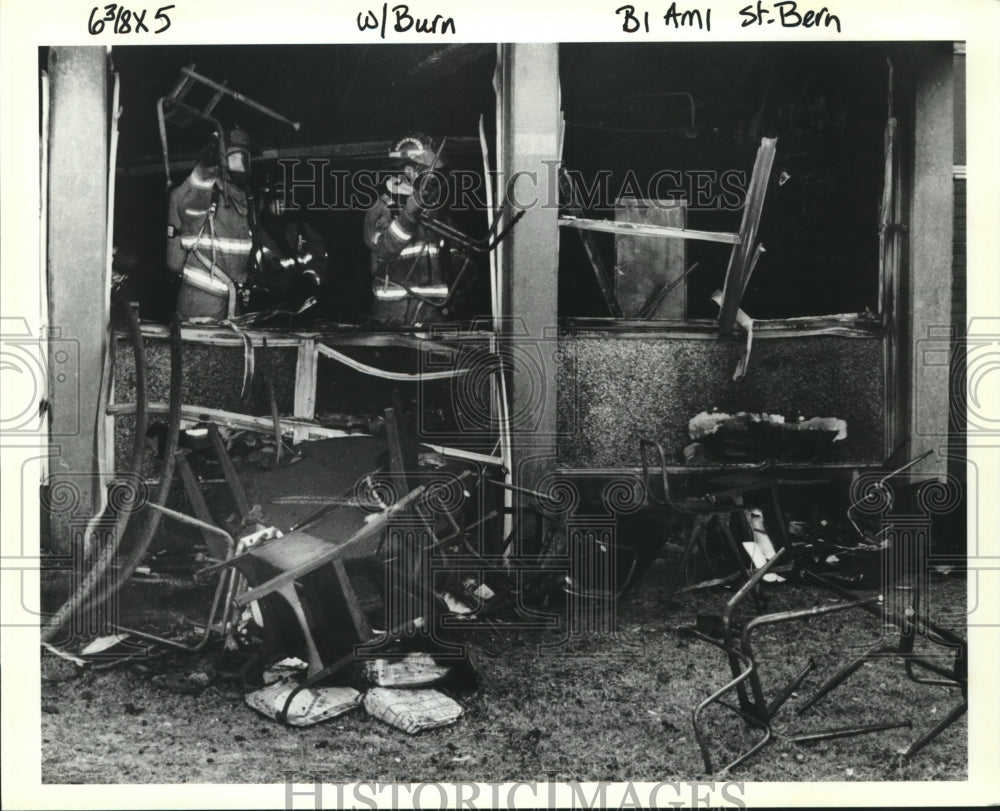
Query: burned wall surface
point(615, 390)
point(451, 411)
point(212, 378)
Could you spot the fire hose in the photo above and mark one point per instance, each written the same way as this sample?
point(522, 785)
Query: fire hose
point(100, 582)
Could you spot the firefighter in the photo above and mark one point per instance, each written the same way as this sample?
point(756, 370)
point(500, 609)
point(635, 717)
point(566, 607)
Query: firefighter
point(209, 231)
point(408, 261)
point(293, 258)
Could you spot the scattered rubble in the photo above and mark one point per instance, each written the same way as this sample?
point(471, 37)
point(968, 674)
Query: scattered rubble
point(719, 436)
point(293, 609)
point(412, 710)
point(310, 706)
point(413, 670)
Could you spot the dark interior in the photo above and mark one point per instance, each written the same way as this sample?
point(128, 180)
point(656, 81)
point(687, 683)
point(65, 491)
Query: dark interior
point(698, 111)
point(826, 104)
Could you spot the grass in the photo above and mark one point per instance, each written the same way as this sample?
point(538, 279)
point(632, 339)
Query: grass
point(550, 706)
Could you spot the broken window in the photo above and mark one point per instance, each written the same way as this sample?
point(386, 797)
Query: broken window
point(352, 103)
point(666, 137)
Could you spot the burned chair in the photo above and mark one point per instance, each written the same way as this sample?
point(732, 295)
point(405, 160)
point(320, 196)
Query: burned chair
point(708, 511)
point(753, 705)
point(402, 538)
point(904, 609)
point(899, 610)
point(220, 543)
point(177, 108)
point(368, 589)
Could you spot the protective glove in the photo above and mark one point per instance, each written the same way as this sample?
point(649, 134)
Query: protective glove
point(409, 217)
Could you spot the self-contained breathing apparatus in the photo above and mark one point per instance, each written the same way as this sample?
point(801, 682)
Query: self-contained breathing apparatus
point(216, 241)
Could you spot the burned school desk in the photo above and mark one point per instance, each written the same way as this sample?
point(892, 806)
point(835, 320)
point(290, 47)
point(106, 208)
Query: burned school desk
point(740, 482)
point(713, 494)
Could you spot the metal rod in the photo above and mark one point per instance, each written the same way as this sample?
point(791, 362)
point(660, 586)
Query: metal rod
point(272, 400)
point(779, 700)
point(842, 675)
point(642, 229)
point(463, 240)
point(848, 732)
point(908, 465)
point(231, 419)
point(699, 730)
point(229, 471)
point(947, 676)
point(194, 522)
point(206, 633)
point(461, 531)
point(880, 485)
point(523, 491)
point(872, 606)
point(750, 584)
point(221, 88)
point(955, 713)
point(195, 498)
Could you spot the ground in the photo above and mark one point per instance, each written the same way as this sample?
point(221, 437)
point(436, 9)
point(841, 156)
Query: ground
point(593, 707)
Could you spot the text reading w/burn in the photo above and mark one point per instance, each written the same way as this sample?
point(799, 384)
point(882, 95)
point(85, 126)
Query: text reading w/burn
point(399, 20)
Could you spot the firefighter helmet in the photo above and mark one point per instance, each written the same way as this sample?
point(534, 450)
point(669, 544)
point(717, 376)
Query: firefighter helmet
point(417, 149)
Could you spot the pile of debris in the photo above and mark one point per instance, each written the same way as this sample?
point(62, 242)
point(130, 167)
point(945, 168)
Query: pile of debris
point(399, 694)
point(720, 437)
point(350, 599)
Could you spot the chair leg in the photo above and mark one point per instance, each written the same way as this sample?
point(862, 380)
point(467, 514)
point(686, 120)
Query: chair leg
point(723, 523)
point(843, 674)
point(957, 712)
point(744, 668)
point(779, 700)
point(222, 599)
point(290, 596)
point(697, 534)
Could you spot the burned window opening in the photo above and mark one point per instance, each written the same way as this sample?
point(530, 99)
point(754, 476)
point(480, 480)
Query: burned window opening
point(631, 132)
point(353, 102)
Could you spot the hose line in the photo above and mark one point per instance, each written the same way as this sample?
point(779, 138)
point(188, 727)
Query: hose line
point(124, 509)
point(107, 574)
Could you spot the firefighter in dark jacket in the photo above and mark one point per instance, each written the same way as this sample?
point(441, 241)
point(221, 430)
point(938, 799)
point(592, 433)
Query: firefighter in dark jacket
point(410, 265)
point(209, 234)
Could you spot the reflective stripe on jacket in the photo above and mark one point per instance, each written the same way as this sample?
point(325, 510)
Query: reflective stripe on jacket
point(209, 251)
point(402, 261)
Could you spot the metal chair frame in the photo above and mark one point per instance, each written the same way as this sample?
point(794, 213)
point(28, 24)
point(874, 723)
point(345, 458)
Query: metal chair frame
point(759, 713)
point(753, 706)
point(910, 625)
point(218, 619)
point(707, 510)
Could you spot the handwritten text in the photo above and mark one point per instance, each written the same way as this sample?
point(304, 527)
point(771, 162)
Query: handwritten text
point(404, 22)
point(126, 21)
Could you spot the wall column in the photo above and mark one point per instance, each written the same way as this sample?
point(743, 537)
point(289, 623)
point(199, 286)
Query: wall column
point(530, 148)
point(928, 323)
point(77, 223)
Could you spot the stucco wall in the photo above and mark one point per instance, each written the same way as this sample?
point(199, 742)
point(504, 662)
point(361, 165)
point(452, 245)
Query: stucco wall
point(614, 390)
